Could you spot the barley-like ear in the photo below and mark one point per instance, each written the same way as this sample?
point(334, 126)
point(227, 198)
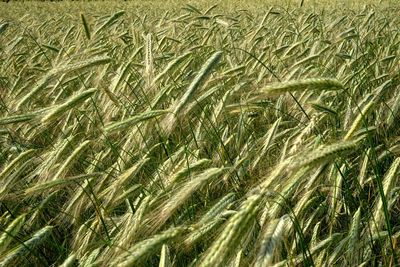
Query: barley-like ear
point(36, 217)
point(198, 81)
point(17, 118)
point(338, 252)
point(288, 189)
point(337, 203)
point(359, 119)
point(314, 84)
point(297, 260)
point(165, 260)
point(354, 235)
point(121, 125)
point(166, 209)
point(324, 153)
point(187, 170)
point(387, 182)
point(305, 60)
point(88, 63)
point(34, 91)
point(316, 231)
point(71, 159)
point(3, 27)
point(65, 68)
point(203, 229)
point(85, 26)
point(323, 108)
point(235, 229)
point(394, 114)
point(110, 21)
point(69, 262)
point(133, 224)
point(20, 159)
point(303, 135)
point(270, 239)
point(54, 156)
point(89, 259)
point(144, 248)
point(237, 261)
point(275, 173)
point(11, 231)
point(70, 103)
point(27, 246)
point(149, 70)
point(268, 140)
point(362, 176)
point(171, 65)
point(58, 183)
point(218, 208)
point(129, 193)
point(110, 194)
point(122, 74)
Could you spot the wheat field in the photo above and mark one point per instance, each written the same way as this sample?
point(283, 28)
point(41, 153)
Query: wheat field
point(172, 134)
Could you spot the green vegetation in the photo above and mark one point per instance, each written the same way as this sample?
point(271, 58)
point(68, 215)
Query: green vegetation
point(199, 135)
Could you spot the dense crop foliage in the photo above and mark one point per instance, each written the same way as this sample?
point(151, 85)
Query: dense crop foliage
point(200, 137)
